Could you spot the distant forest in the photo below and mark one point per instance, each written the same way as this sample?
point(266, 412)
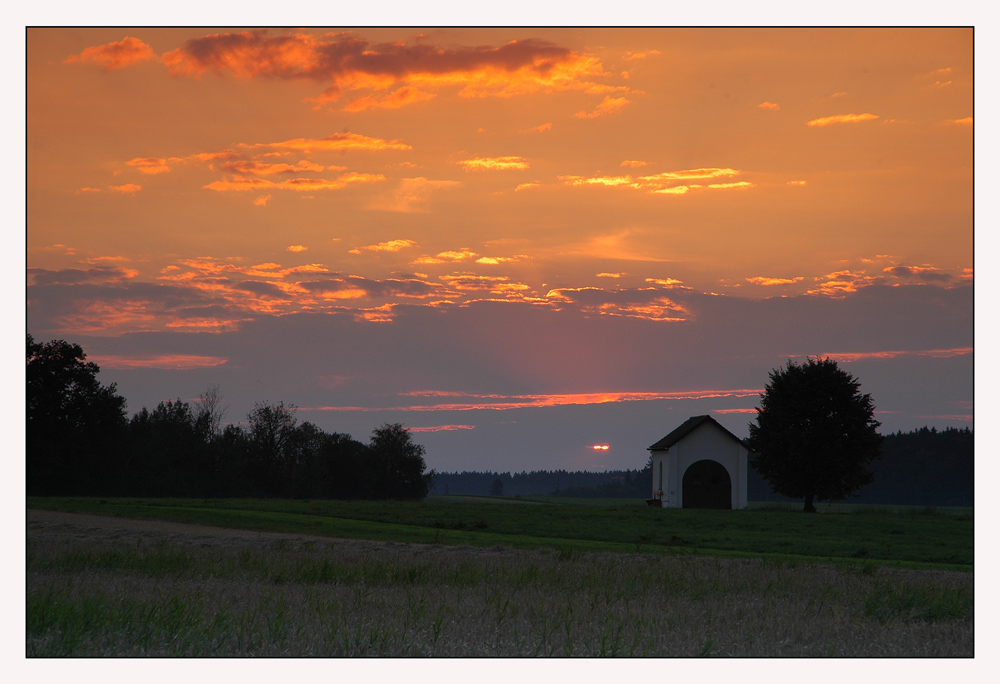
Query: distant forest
point(925, 467)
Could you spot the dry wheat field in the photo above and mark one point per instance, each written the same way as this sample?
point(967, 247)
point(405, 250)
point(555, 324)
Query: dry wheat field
point(113, 587)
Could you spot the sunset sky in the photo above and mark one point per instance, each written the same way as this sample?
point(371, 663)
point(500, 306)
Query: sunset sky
point(520, 243)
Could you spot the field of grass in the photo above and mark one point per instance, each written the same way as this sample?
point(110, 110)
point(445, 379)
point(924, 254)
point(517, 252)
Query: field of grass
point(92, 593)
point(902, 538)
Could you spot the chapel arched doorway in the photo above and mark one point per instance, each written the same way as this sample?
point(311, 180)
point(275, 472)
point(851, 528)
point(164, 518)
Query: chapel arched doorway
point(706, 484)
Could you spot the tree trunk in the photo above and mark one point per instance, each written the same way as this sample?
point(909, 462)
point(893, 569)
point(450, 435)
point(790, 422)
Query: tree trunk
point(809, 508)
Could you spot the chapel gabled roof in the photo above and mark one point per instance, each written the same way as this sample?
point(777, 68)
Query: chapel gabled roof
point(686, 428)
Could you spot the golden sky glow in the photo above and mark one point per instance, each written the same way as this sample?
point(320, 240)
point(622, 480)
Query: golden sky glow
point(501, 190)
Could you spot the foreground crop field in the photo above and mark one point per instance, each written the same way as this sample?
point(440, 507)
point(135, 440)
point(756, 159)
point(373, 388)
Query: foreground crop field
point(107, 587)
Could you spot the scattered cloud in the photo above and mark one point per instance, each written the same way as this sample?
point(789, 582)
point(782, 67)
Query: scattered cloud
point(336, 143)
point(967, 121)
point(494, 163)
point(796, 182)
point(262, 200)
point(692, 174)
point(769, 105)
point(538, 129)
point(85, 190)
point(111, 56)
point(608, 105)
point(73, 276)
point(296, 248)
point(447, 257)
point(243, 184)
point(924, 273)
point(610, 181)
point(841, 118)
point(525, 186)
point(630, 56)
point(158, 361)
point(441, 428)
point(761, 280)
point(610, 275)
point(847, 357)
point(467, 401)
point(492, 261)
point(257, 168)
point(632, 163)
point(388, 246)
point(398, 98)
point(662, 183)
point(839, 283)
point(126, 189)
point(150, 165)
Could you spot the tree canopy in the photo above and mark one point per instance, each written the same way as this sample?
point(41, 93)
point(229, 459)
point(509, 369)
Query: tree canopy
point(71, 417)
point(815, 434)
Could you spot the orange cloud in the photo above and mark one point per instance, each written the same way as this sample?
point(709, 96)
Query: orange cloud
point(610, 181)
point(337, 142)
point(296, 248)
point(738, 184)
point(257, 168)
point(539, 129)
point(607, 106)
point(610, 275)
point(388, 246)
point(840, 283)
point(501, 402)
point(494, 163)
point(161, 361)
point(525, 186)
point(692, 174)
point(761, 280)
point(629, 56)
point(128, 188)
point(932, 353)
point(350, 63)
point(632, 163)
point(112, 56)
point(796, 182)
point(399, 98)
point(967, 121)
point(498, 260)
point(150, 165)
point(440, 428)
point(841, 118)
point(87, 189)
point(262, 200)
point(238, 184)
point(447, 257)
point(769, 105)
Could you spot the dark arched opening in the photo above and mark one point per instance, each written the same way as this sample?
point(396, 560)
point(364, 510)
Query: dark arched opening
point(707, 485)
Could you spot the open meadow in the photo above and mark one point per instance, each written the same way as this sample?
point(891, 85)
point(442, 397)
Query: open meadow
point(469, 578)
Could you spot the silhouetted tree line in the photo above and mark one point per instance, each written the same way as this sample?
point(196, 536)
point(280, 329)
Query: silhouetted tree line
point(81, 442)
